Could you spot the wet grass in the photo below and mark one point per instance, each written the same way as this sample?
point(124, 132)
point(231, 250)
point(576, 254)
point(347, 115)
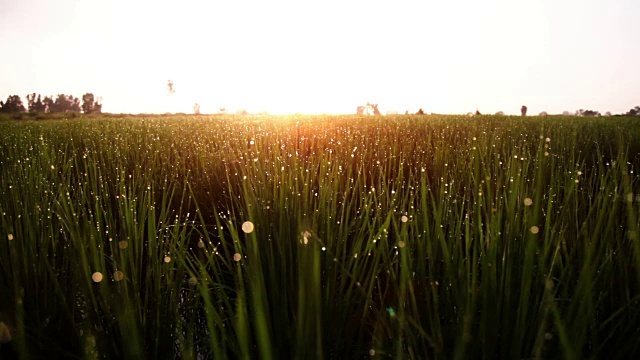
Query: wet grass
point(320, 237)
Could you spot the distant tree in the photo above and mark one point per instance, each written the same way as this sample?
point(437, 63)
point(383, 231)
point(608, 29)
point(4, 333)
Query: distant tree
point(75, 103)
point(223, 110)
point(478, 112)
point(608, 113)
point(583, 112)
point(12, 105)
point(544, 113)
point(566, 113)
point(196, 109)
point(90, 104)
point(61, 104)
point(66, 103)
point(97, 106)
point(420, 112)
point(87, 103)
point(500, 113)
point(634, 112)
point(523, 110)
point(48, 103)
point(35, 104)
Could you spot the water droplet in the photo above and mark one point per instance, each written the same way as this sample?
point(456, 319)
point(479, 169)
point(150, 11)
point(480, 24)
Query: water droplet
point(528, 202)
point(118, 275)
point(534, 229)
point(404, 218)
point(247, 227)
point(237, 257)
point(123, 244)
point(167, 259)
point(401, 244)
point(192, 281)
point(372, 352)
point(10, 237)
point(96, 277)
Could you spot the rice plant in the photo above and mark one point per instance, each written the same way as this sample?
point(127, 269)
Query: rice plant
point(320, 237)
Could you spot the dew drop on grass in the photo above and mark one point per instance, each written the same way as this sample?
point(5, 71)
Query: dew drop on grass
point(401, 244)
point(247, 227)
point(528, 202)
point(305, 237)
point(372, 352)
point(118, 275)
point(404, 218)
point(10, 237)
point(237, 257)
point(534, 229)
point(167, 259)
point(96, 277)
point(123, 244)
point(192, 281)
point(201, 244)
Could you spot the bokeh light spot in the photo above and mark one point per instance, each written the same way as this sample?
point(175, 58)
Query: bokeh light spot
point(247, 227)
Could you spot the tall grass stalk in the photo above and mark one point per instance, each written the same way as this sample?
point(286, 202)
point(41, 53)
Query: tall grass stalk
point(320, 237)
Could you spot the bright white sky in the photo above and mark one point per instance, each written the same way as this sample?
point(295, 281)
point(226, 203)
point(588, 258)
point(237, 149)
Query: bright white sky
point(326, 56)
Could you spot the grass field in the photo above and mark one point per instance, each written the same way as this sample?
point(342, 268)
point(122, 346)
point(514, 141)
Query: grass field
point(320, 237)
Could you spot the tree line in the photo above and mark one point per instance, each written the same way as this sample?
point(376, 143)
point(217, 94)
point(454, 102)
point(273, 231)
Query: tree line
point(62, 104)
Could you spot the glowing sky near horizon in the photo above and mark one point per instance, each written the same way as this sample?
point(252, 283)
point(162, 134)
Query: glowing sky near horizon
point(326, 56)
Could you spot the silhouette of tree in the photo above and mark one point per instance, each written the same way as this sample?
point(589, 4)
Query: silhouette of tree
point(500, 113)
point(583, 112)
point(48, 104)
point(90, 104)
point(478, 112)
point(12, 105)
point(634, 112)
point(35, 104)
point(66, 103)
point(544, 113)
point(420, 112)
point(523, 110)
